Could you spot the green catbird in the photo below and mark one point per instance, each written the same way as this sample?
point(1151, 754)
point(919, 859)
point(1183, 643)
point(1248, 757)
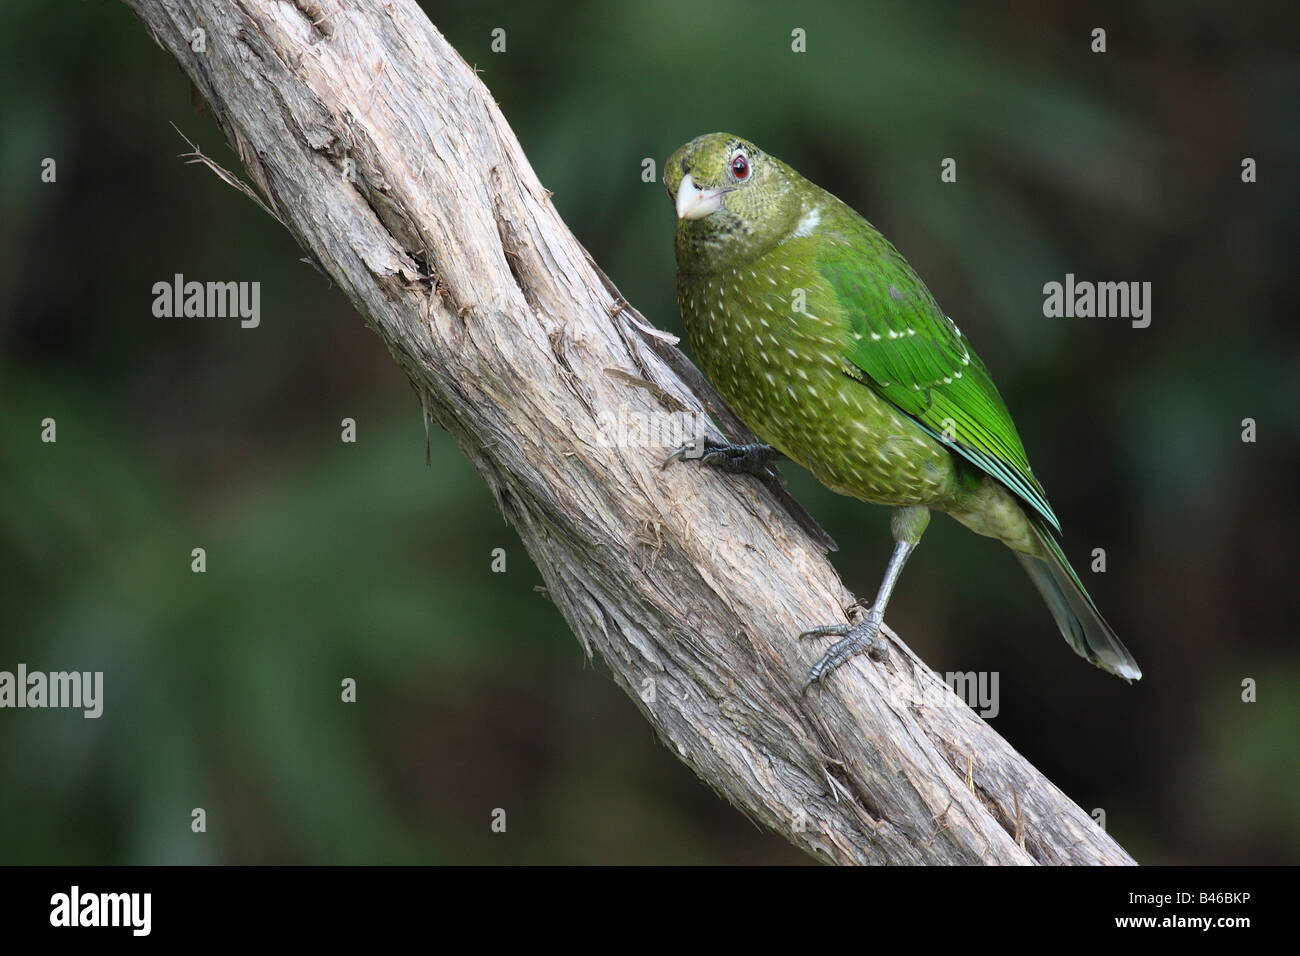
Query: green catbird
point(827, 344)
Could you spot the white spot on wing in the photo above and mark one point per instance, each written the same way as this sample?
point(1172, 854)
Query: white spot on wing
point(809, 222)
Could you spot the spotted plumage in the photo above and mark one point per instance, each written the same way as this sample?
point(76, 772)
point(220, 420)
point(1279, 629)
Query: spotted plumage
point(826, 342)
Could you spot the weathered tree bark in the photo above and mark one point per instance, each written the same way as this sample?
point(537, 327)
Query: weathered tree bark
point(379, 149)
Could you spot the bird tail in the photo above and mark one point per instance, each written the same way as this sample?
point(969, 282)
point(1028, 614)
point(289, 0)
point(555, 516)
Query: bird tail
point(1076, 615)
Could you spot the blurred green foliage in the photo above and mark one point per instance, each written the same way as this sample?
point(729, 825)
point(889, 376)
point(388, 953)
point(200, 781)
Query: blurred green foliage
point(329, 560)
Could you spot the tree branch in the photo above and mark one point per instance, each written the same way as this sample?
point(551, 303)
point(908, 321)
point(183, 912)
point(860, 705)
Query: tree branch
point(379, 149)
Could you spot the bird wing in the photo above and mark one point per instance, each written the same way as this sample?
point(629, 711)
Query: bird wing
point(903, 346)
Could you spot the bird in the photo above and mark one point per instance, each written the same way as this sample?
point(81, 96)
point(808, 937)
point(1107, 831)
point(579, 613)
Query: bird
point(827, 344)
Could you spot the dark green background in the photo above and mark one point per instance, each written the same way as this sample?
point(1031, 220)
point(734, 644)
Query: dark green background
point(328, 560)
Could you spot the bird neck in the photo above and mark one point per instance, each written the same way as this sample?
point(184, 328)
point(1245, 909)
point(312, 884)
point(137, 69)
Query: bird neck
point(725, 241)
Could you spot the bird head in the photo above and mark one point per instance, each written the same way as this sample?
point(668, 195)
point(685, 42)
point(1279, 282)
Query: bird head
point(733, 201)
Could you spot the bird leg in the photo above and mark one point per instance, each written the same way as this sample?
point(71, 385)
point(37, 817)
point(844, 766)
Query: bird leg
point(733, 459)
point(907, 525)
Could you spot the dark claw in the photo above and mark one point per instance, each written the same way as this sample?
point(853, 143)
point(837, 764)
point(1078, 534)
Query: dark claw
point(678, 455)
point(863, 636)
point(826, 630)
point(732, 459)
point(693, 450)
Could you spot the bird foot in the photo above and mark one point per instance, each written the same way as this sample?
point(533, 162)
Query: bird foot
point(733, 459)
point(863, 636)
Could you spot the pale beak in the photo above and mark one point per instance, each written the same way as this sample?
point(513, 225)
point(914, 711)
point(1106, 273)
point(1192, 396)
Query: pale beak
point(696, 203)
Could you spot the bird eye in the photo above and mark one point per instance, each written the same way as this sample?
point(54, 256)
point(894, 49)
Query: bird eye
point(740, 166)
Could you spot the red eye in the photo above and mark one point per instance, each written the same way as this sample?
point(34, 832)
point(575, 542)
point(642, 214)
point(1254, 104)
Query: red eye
point(740, 166)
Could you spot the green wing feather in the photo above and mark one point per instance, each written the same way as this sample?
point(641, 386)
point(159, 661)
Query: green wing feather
point(916, 357)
